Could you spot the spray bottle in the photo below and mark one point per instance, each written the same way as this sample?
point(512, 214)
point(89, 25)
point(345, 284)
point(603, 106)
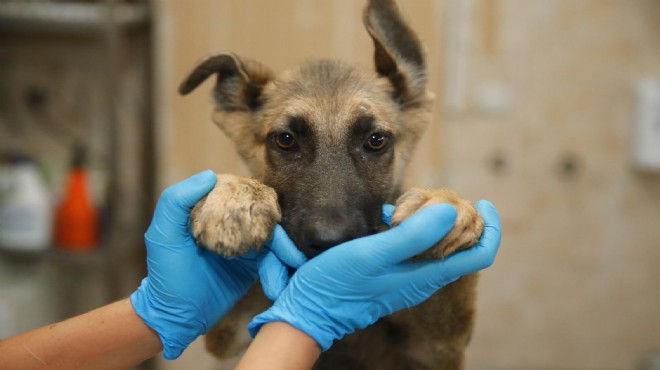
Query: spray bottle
point(76, 217)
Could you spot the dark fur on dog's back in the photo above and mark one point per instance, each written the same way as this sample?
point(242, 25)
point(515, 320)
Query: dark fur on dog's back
point(333, 142)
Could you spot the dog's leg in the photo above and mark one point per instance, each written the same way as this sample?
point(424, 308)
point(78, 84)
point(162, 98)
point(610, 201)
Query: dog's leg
point(237, 215)
point(229, 337)
point(439, 330)
point(441, 327)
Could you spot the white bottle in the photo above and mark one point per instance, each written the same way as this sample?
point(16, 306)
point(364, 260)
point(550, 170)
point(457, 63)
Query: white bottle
point(25, 208)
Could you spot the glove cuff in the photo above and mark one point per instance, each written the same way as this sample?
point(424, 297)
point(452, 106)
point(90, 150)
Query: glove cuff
point(161, 322)
point(307, 322)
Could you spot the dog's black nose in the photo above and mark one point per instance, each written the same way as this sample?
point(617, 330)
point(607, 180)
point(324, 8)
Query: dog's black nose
point(330, 228)
point(325, 236)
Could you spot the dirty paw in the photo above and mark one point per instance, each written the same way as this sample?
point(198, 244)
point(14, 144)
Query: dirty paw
point(238, 214)
point(466, 231)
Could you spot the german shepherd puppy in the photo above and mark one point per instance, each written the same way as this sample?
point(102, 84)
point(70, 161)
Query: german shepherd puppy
point(327, 145)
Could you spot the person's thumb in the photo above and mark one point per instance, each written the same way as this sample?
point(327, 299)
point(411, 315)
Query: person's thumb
point(172, 216)
point(386, 216)
point(274, 261)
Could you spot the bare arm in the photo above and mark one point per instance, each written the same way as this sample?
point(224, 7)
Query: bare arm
point(111, 337)
point(280, 346)
point(114, 337)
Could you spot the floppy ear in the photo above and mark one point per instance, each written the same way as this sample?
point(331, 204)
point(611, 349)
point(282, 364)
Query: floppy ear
point(398, 53)
point(238, 95)
point(239, 81)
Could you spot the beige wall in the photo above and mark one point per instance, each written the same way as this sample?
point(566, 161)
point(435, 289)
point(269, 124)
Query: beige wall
point(524, 90)
point(277, 33)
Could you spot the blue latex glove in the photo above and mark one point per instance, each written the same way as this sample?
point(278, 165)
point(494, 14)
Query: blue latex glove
point(279, 253)
point(354, 284)
point(188, 289)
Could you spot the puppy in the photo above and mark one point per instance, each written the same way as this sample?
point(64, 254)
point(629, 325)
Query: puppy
point(328, 145)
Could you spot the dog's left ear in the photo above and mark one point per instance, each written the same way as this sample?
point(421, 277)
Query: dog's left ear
point(239, 81)
point(398, 53)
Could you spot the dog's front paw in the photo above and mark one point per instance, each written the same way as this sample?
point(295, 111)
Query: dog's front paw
point(467, 229)
point(238, 214)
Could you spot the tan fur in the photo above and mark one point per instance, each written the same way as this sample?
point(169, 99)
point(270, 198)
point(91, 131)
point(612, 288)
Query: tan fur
point(330, 98)
point(238, 214)
point(468, 226)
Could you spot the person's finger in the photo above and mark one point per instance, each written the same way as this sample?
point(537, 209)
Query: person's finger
point(490, 240)
point(388, 210)
point(172, 215)
point(273, 274)
point(185, 194)
point(481, 255)
point(490, 216)
point(413, 236)
point(425, 276)
point(278, 253)
point(282, 246)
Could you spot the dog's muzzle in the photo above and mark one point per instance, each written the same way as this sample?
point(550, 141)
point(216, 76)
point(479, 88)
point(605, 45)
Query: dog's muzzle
point(316, 232)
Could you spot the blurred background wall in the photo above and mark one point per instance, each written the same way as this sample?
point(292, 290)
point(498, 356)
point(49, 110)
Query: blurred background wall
point(536, 108)
point(538, 104)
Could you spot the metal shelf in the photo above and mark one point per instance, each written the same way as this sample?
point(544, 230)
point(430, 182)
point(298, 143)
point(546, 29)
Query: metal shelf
point(22, 16)
point(90, 259)
point(106, 42)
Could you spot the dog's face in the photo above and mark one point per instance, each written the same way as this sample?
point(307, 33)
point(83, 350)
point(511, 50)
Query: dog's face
point(329, 137)
point(331, 140)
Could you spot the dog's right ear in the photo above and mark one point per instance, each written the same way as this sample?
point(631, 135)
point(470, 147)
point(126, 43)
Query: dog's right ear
point(239, 81)
point(398, 52)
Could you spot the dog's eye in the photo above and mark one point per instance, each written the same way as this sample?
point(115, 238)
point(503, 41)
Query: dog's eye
point(376, 142)
point(285, 141)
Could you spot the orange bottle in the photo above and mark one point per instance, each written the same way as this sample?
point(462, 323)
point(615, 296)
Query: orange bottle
point(76, 217)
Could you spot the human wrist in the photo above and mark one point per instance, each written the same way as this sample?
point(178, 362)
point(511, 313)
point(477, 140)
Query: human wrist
point(175, 335)
point(280, 346)
point(285, 329)
point(307, 317)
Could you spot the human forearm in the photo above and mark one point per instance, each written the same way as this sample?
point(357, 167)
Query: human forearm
point(111, 337)
point(280, 346)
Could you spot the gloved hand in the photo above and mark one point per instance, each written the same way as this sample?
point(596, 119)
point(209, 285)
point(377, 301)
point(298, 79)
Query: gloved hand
point(273, 260)
point(354, 284)
point(188, 289)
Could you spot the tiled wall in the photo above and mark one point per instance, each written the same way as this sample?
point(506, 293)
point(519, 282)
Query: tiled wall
point(535, 108)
